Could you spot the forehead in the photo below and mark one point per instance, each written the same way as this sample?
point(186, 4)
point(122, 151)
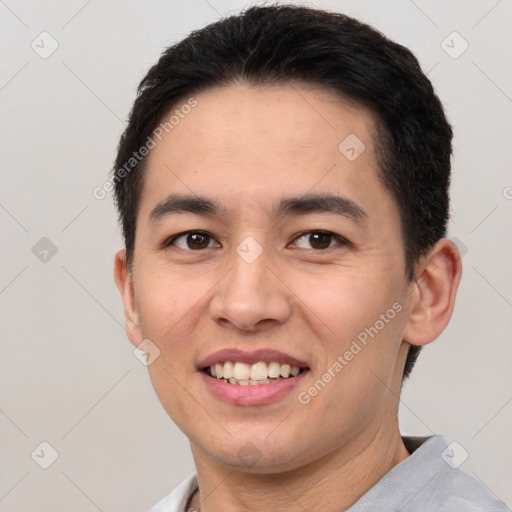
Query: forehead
point(287, 116)
point(242, 143)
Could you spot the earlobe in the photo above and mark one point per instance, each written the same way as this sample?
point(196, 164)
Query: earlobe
point(433, 294)
point(125, 286)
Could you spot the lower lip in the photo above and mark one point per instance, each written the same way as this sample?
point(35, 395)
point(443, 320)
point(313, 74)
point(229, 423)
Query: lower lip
point(259, 394)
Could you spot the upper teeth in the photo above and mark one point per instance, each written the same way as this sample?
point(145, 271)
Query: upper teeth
point(256, 371)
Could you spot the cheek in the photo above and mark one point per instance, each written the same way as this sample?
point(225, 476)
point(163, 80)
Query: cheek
point(359, 320)
point(347, 302)
point(168, 304)
point(358, 317)
point(169, 309)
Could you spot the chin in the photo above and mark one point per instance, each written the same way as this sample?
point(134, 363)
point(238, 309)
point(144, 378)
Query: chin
point(255, 454)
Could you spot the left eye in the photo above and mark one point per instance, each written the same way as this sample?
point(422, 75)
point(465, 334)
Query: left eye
point(193, 240)
point(317, 240)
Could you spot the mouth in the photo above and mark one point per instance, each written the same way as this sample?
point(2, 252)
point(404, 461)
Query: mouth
point(254, 378)
point(238, 373)
point(242, 368)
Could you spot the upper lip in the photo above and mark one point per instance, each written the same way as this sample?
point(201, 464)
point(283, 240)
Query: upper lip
point(237, 355)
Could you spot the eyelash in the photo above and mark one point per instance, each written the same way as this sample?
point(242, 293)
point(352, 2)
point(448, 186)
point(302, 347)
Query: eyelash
point(340, 240)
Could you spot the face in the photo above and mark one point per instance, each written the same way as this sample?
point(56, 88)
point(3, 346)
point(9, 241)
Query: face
point(263, 231)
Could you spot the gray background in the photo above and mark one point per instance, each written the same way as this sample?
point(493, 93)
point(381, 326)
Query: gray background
point(68, 375)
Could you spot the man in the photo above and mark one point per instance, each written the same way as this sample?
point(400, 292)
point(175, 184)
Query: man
point(282, 187)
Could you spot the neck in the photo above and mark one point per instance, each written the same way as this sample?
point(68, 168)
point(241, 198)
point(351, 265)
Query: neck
point(331, 483)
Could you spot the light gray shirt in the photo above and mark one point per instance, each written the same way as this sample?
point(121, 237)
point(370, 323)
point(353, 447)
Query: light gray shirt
point(426, 481)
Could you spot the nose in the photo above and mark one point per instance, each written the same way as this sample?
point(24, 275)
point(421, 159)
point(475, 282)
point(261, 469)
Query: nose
point(251, 297)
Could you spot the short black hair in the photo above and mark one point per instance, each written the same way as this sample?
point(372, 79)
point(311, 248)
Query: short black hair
point(278, 44)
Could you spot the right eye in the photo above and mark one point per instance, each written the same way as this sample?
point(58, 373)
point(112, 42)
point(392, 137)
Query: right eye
point(192, 241)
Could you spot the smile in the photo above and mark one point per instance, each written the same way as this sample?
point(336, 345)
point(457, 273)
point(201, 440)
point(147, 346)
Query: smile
point(250, 378)
point(243, 374)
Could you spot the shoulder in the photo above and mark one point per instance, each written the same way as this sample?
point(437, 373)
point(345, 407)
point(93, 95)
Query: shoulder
point(455, 490)
point(448, 488)
point(428, 481)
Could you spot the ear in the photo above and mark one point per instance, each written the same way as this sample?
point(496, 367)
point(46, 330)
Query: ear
point(125, 286)
point(433, 292)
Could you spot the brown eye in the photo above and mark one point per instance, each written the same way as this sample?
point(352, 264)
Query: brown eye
point(318, 240)
point(197, 241)
point(193, 241)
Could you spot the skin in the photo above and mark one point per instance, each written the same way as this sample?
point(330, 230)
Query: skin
point(249, 147)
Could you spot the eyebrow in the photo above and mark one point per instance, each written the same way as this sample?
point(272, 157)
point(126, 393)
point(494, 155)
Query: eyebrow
point(175, 203)
point(303, 205)
point(321, 203)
